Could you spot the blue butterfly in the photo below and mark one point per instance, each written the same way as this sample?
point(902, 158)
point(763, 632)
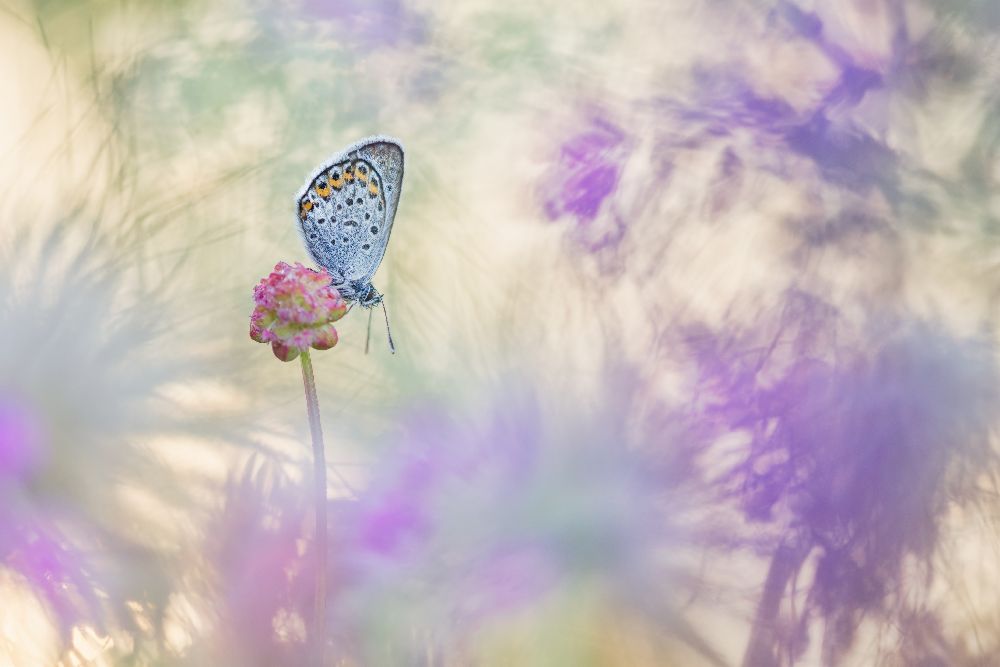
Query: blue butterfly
point(346, 210)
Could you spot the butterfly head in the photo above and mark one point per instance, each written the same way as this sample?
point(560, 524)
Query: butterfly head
point(368, 296)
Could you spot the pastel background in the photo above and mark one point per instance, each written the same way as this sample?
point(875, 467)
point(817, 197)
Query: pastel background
point(696, 307)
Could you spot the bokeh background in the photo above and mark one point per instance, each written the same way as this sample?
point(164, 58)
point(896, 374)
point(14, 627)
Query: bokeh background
point(696, 307)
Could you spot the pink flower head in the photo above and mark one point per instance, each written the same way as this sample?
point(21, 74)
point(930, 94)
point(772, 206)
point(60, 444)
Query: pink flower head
point(295, 309)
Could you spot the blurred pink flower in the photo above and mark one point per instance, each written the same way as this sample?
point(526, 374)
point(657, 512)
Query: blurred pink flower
point(295, 309)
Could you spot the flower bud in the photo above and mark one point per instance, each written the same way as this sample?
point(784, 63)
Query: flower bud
point(284, 352)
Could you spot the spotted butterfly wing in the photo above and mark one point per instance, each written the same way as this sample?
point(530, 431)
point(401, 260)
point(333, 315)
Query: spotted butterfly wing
point(346, 210)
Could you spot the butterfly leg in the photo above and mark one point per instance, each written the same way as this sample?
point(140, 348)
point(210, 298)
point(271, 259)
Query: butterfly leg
point(388, 332)
point(368, 336)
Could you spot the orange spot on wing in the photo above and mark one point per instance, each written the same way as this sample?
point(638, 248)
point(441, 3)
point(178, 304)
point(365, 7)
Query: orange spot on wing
point(336, 183)
point(323, 190)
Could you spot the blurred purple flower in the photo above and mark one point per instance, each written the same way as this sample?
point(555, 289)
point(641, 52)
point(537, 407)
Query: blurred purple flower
point(30, 542)
point(590, 172)
point(845, 153)
point(262, 575)
point(585, 174)
point(842, 133)
point(394, 512)
point(856, 463)
point(804, 23)
point(32, 545)
point(396, 516)
point(509, 579)
point(371, 23)
point(468, 526)
point(846, 156)
point(21, 441)
point(723, 103)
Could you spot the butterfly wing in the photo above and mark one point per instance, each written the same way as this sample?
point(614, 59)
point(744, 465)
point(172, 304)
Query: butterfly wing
point(347, 207)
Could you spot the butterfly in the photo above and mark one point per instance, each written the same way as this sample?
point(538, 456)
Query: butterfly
point(345, 212)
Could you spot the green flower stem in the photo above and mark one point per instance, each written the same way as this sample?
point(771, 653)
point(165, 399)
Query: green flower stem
point(319, 481)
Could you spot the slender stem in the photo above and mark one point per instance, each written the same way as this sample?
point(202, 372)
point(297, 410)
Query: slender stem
point(319, 482)
point(765, 644)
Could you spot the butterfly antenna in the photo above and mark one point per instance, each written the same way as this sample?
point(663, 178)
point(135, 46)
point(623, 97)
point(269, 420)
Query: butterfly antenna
point(368, 336)
point(388, 331)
